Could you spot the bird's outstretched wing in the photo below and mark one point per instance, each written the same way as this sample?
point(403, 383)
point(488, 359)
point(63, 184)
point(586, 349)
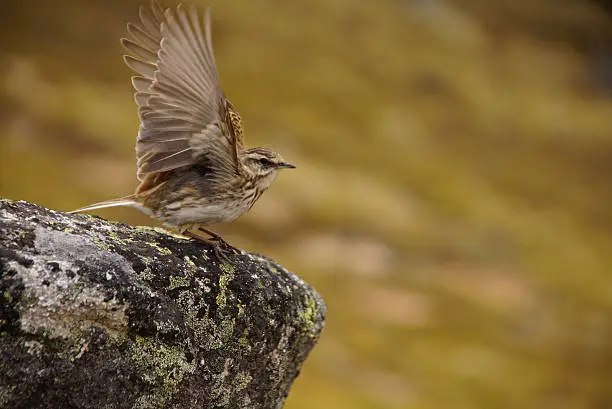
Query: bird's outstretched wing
point(184, 117)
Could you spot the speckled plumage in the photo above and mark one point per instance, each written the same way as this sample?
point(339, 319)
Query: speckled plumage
point(192, 166)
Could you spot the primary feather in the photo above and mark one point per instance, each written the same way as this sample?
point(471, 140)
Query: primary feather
point(185, 118)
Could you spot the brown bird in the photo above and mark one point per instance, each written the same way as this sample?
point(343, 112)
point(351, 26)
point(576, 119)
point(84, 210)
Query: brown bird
point(192, 166)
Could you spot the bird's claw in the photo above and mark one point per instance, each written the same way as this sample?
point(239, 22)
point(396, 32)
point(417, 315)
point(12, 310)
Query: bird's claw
point(221, 248)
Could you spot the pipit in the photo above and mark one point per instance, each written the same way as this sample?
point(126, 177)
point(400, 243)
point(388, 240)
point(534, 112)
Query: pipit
point(192, 166)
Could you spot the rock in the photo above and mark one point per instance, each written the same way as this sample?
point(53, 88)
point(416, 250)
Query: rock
point(96, 314)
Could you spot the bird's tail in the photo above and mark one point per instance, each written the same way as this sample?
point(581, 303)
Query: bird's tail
point(122, 201)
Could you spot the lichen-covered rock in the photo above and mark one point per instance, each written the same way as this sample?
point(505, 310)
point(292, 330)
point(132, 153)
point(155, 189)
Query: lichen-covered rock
point(103, 315)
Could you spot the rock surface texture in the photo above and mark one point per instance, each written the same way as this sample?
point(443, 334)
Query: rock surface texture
point(103, 315)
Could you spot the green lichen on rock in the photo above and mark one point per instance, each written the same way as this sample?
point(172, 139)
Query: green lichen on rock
point(243, 341)
point(146, 274)
point(178, 282)
point(224, 279)
point(157, 230)
point(105, 315)
point(160, 249)
point(309, 315)
point(242, 380)
point(189, 262)
point(226, 330)
point(162, 366)
point(8, 298)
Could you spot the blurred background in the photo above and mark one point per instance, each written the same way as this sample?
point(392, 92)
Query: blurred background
point(452, 195)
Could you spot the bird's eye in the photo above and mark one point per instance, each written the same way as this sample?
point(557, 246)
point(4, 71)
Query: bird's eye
point(266, 162)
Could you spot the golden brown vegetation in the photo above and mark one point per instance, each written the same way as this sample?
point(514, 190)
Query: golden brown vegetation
point(452, 197)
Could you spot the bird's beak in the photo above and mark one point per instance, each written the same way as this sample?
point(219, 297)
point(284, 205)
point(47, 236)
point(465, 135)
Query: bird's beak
point(286, 165)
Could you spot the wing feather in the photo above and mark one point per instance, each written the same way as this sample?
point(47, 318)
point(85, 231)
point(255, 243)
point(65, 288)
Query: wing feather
point(141, 84)
point(185, 118)
point(143, 68)
point(142, 37)
point(141, 51)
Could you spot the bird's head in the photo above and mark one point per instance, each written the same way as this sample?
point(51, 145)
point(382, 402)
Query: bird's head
point(263, 164)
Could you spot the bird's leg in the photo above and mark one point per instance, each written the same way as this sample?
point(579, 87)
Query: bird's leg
point(187, 230)
point(220, 251)
point(220, 246)
point(195, 236)
point(217, 238)
point(184, 229)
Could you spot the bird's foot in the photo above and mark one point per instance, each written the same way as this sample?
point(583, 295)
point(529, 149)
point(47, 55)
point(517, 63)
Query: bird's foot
point(220, 242)
point(221, 248)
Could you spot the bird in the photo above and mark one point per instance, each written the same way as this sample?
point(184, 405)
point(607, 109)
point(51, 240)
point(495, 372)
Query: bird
point(193, 168)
